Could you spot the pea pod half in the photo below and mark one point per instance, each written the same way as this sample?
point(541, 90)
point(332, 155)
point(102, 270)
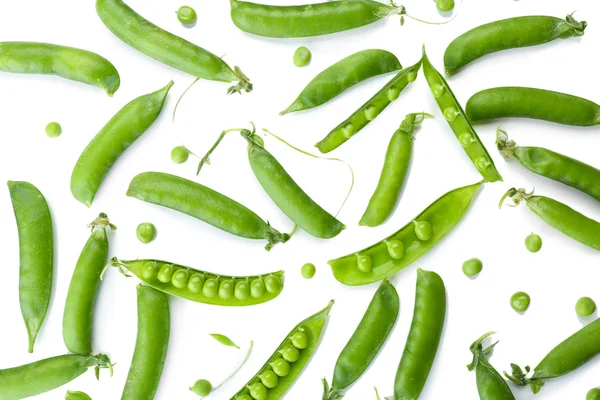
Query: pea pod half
point(490, 384)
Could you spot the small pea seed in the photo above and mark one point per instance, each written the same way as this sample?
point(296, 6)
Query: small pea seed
point(348, 131)
point(365, 263)
point(585, 307)
point(302, 57)
point(280, 367)
point(258, 391)
point(396, 249)
point(466, 139)
point(533, 243)
point(299, 340)
point(308, 270)
point(53, 130)
point(226, 290)
point(273, 284)
point(393, 94)
point(423, 230)
point(371, 113)
point(269, 379)
point(165, 273)
point(481, 163)
point(472, 267)
point(180, 279)
point(593, 394)
point(187, 15)
point(257, 288)
point(445, 5)
point(451, 113)
point(180, 154)
point(411, 76)
point(202, 387)
point(146, 232)
point(242, 290)
point(290, 353)
point(195, 283)
point(150, 270)
point(243, 397)
point(520, 301)
point(211, 287)
point(437, 90)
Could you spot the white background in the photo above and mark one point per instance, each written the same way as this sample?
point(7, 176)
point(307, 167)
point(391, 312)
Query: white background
point(555, 277)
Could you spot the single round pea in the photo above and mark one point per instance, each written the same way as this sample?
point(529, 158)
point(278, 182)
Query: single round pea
point(195, 283)
point(348, 131)
point(411, 76)
point(269, 379)
point(165, 273)
point(226, 289)
point(210, 288)
point(257, 288)
point(179, 154)
point(365, 263)
point(423, 230)
point(53, 130)
point(371, 113)
point(146, 232)
point(180, 278)
point(451, 113)
point(437, 90)
point(258, 391)
point(150, 270)
point(302, 57)
point(593, 394)
point(280, 367)
point(533, 243)
point(466, 139)
point(243, 396)
point(308, 270)
point(393, 94)
point(585, 307)
point(444, 5)
point(242, 290)
point(472, 267)
point(395, 249)
point(186, 15)
point(202, 387)
point(272, 284)
point(299, 340)
point(290, 353)
point(520, 301)
point(481, 163)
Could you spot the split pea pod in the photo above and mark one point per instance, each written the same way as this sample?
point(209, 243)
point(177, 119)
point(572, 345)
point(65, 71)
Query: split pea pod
point(508, 34)
point(203, 203)
point(490, 384)
point(552, 165)
point(342, 75)
point(36, 253)
point(423, 338)
point(399, 250)
point(78, 318)
point(150, 346)
point(67, 62)
point(124, 128)
point(524, 102)
point(369, 110)
point(458, 122)
point(167, 48)
point(366, 341)
point(286, 364)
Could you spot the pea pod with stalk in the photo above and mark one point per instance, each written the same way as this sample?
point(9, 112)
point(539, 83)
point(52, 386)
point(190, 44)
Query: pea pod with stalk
point(490, 384)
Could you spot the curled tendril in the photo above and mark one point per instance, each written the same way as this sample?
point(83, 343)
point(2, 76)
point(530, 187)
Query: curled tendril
point(517, 195)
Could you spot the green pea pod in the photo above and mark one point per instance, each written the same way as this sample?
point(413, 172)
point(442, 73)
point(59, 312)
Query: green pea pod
point(552, 165)
point(71, 395)
point(508, 34)
point(399, 250)
point(560, 216)
point(342, 75)
point(204, 204)
point(366, 341)
point(204, 287)
point(369, 110)
point(490, 384)
point(128, 125)
point(36, 252)
point(48, 374)
point(287, 363)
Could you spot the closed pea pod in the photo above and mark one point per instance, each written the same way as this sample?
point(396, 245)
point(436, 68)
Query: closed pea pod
point(490, 384)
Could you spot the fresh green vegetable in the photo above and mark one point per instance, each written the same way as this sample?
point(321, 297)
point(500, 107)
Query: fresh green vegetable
point(187, 15)
point(472, 267)
point(302, 57)
point(585, 307)
point(593, 394)
point(445, 5)
point(76, 396)
point(533, 242)
point(146, 232)
point(520, 301)
point(180, 154)
point(224, 340)
point(202, 387)
point(308, 270)
point(53, 130)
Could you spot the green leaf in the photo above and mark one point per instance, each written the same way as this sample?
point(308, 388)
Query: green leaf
point(224, 340)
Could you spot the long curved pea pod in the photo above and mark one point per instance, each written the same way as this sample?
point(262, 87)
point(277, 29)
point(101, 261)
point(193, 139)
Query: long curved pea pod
point(151, 344)
point(48, 374)
point(490, 384)
point(204, 287)
point(569, 355)
point(508, 34)
point(203, 203)
point(370, 110)
point(424, 336)
point(552, 165)
point(287, 362)
point(560, 216)
point(394, 172)
point(458, 122)
point(110, 143)
point(36, 252)
point(399, 250)
point(78, 318)
point(524, 102)
point(366, 341)
point(342, 75)
point(66, 62)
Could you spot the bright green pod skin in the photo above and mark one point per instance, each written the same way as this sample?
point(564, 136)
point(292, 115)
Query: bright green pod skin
point(342, 75)
point(66, 62)
point(112, 141)
point(77, 396)
point(490, 384)
point(552, 165)
point(508, 34)
point(524, 102)
point(443, 214)
point(307, 20)
point(312, 328)
point(366, 341)
point(423, 338)
point(48, 374)
point(154, 328)
point(165, 47)
point(139, 268)
point(458, 122)
point(36, 253)
point(376, 104)
point(203, 203)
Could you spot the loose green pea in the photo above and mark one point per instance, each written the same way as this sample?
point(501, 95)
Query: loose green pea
point(195, 283)
point(211, 287)
point(273, 284)
point(226, 289)
point(290, 353)
point(520, 301)
point(371, 113)
point(393, 94)
point(280, 367)
point(258, 391)
point(466, 139)
point(396, 249)
point(349, 130)
point(146, 232)
point(365, 263)
point(180, 279)
point(269, 379)
point(444, 5)
point(302, 57)
point(451, 113)
point(257, 288)
point(308, 270)
point(593, 394)
point(53, 130)
point(150, 270)
point(472, 267)
point(179, 154)
point(585, 307)
point(533, 243)
point(186, 15)
point(437, 90)
point(299, 340)
point(423, 230)
point(242, 290)
point(165, 273)
point(202, 387)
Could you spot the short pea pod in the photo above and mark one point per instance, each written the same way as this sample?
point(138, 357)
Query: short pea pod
point(150, 346)
point(71, 395)
point(508, 34)
point(48, 374)
point(394, 172)
point(203, 203)
point(78, 318)
point(166, 47)
point(402, 248)
point(369, 110)
point(36, 250)
point(366, 341)
point(560, 216)
point(124, 128)
point(490, 384)
point(552, 165)
point(342, 75)
point(458, 122)
point(278, 374)
point(423, 338)
point(66, 62)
